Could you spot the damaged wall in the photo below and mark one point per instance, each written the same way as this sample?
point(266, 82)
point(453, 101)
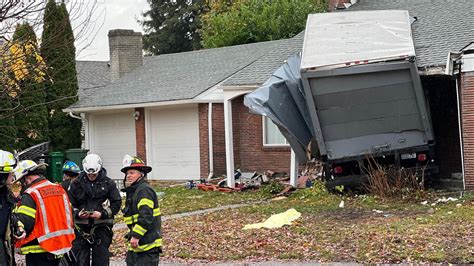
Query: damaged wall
point(441, 92)
point(249, 152)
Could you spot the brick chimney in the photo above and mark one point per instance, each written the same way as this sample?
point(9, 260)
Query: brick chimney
point(339, 4)
point(125, 47)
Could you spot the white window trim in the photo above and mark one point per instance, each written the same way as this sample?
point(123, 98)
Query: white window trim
point(264, 138)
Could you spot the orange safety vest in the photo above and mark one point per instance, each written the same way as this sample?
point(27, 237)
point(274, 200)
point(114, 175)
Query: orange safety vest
point(54, 227)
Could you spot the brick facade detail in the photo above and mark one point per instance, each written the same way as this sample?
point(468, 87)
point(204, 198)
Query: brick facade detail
point(140, 134)
point(467, 110)
point(249, 153)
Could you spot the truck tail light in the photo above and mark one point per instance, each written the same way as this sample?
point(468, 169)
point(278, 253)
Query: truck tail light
point(421, 157)
point(338, 170)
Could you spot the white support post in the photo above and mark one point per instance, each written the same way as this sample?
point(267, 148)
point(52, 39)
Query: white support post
point(211, 150)
point(294, 169)
point(229, 143)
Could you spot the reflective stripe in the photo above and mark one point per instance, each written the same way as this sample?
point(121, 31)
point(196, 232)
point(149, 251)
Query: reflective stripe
point(134, 218)
point(28, 211)
point(31, 249)
point(157, 243)
point(146, 202)
point(139, 230)
point(67, 207)
point(55, 234)
point(43, 210)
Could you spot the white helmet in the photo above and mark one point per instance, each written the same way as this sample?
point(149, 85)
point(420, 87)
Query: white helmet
point(92, 164)
point(7, 162)
point(28, 167)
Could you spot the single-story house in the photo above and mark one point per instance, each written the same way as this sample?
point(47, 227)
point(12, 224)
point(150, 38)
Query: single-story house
point(184, 114)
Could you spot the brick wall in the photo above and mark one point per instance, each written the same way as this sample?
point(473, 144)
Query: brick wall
point(125, 49)
point(467, 103)
point(218, 141)
point(249, 152)
point(140, 134)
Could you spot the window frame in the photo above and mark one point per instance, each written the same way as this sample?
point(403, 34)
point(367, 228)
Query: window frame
point(264, 135)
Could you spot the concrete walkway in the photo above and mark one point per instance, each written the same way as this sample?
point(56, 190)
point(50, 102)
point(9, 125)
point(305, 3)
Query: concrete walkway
point(119, 226)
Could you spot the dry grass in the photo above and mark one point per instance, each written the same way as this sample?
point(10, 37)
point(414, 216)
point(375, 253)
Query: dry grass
point(391, 182)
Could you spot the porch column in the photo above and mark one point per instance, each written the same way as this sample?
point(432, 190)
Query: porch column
point(229, 143)
point(293, 169)
point(140, 135)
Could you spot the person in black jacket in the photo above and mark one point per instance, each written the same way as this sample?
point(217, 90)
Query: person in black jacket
point(95, 200)
point(141, 214)
point(7, 203)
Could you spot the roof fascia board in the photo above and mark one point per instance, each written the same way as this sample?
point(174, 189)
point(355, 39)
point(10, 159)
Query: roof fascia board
point(126, 106)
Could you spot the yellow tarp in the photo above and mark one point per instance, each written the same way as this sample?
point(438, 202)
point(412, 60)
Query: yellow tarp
point(276, 220)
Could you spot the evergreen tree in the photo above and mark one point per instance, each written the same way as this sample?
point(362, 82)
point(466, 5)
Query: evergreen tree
point(171, 26)
point(231, 22)
point(31, 114)
point(58, 51)
point(7, 127)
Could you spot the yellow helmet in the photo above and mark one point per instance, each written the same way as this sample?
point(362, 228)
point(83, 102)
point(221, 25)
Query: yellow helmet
point(28, 167)
point(7, 162)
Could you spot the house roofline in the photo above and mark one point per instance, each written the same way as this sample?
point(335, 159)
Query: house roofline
point(126, 106)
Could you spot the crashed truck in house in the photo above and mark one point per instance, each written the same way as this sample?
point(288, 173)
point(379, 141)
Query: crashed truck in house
point(353, 95)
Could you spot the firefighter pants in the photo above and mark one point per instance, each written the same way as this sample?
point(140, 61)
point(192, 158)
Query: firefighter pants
point(147, 258)
point(100, 248)
point(42, 259)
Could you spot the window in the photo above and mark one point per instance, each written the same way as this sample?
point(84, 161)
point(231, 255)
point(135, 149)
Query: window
point(271, 134)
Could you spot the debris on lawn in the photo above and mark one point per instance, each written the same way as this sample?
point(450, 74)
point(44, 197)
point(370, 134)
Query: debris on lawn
point(377, 211)
point(276, 220)
point(341, 205)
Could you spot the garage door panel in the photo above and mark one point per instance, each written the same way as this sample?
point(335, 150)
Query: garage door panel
point(113, 137)
point(174, 143)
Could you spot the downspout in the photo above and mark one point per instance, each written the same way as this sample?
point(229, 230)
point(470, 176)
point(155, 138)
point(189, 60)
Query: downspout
point(461, 142)
point(209, 130)
point(83, 121)
point(71, 114)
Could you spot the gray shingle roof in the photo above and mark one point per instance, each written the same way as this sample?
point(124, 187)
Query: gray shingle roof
point(91, 76)
point(177, 76)
point(259, 71)
point(442, 25)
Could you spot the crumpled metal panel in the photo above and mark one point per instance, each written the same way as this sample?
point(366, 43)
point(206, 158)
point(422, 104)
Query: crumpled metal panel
point(282, 100)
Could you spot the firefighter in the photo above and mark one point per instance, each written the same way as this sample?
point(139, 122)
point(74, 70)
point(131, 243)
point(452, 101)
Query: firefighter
point(44, 221)
point(95, 199)
point(141, 214)
point(70, 171)
point(7, 203)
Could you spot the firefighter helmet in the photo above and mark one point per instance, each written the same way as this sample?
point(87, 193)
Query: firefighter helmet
point(92, 164)
point(71, 168)
point(7, 162)
point(133, 162)
point(28, 167)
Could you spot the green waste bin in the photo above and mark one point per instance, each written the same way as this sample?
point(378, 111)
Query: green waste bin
point(55, 169)
point(76, 155)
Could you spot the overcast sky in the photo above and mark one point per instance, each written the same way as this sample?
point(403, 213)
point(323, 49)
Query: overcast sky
point(107, 15)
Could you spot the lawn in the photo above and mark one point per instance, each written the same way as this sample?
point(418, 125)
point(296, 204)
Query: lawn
point(365, 230)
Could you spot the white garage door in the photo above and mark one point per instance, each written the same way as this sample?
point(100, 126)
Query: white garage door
point(173, 143)
point(113, 136)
